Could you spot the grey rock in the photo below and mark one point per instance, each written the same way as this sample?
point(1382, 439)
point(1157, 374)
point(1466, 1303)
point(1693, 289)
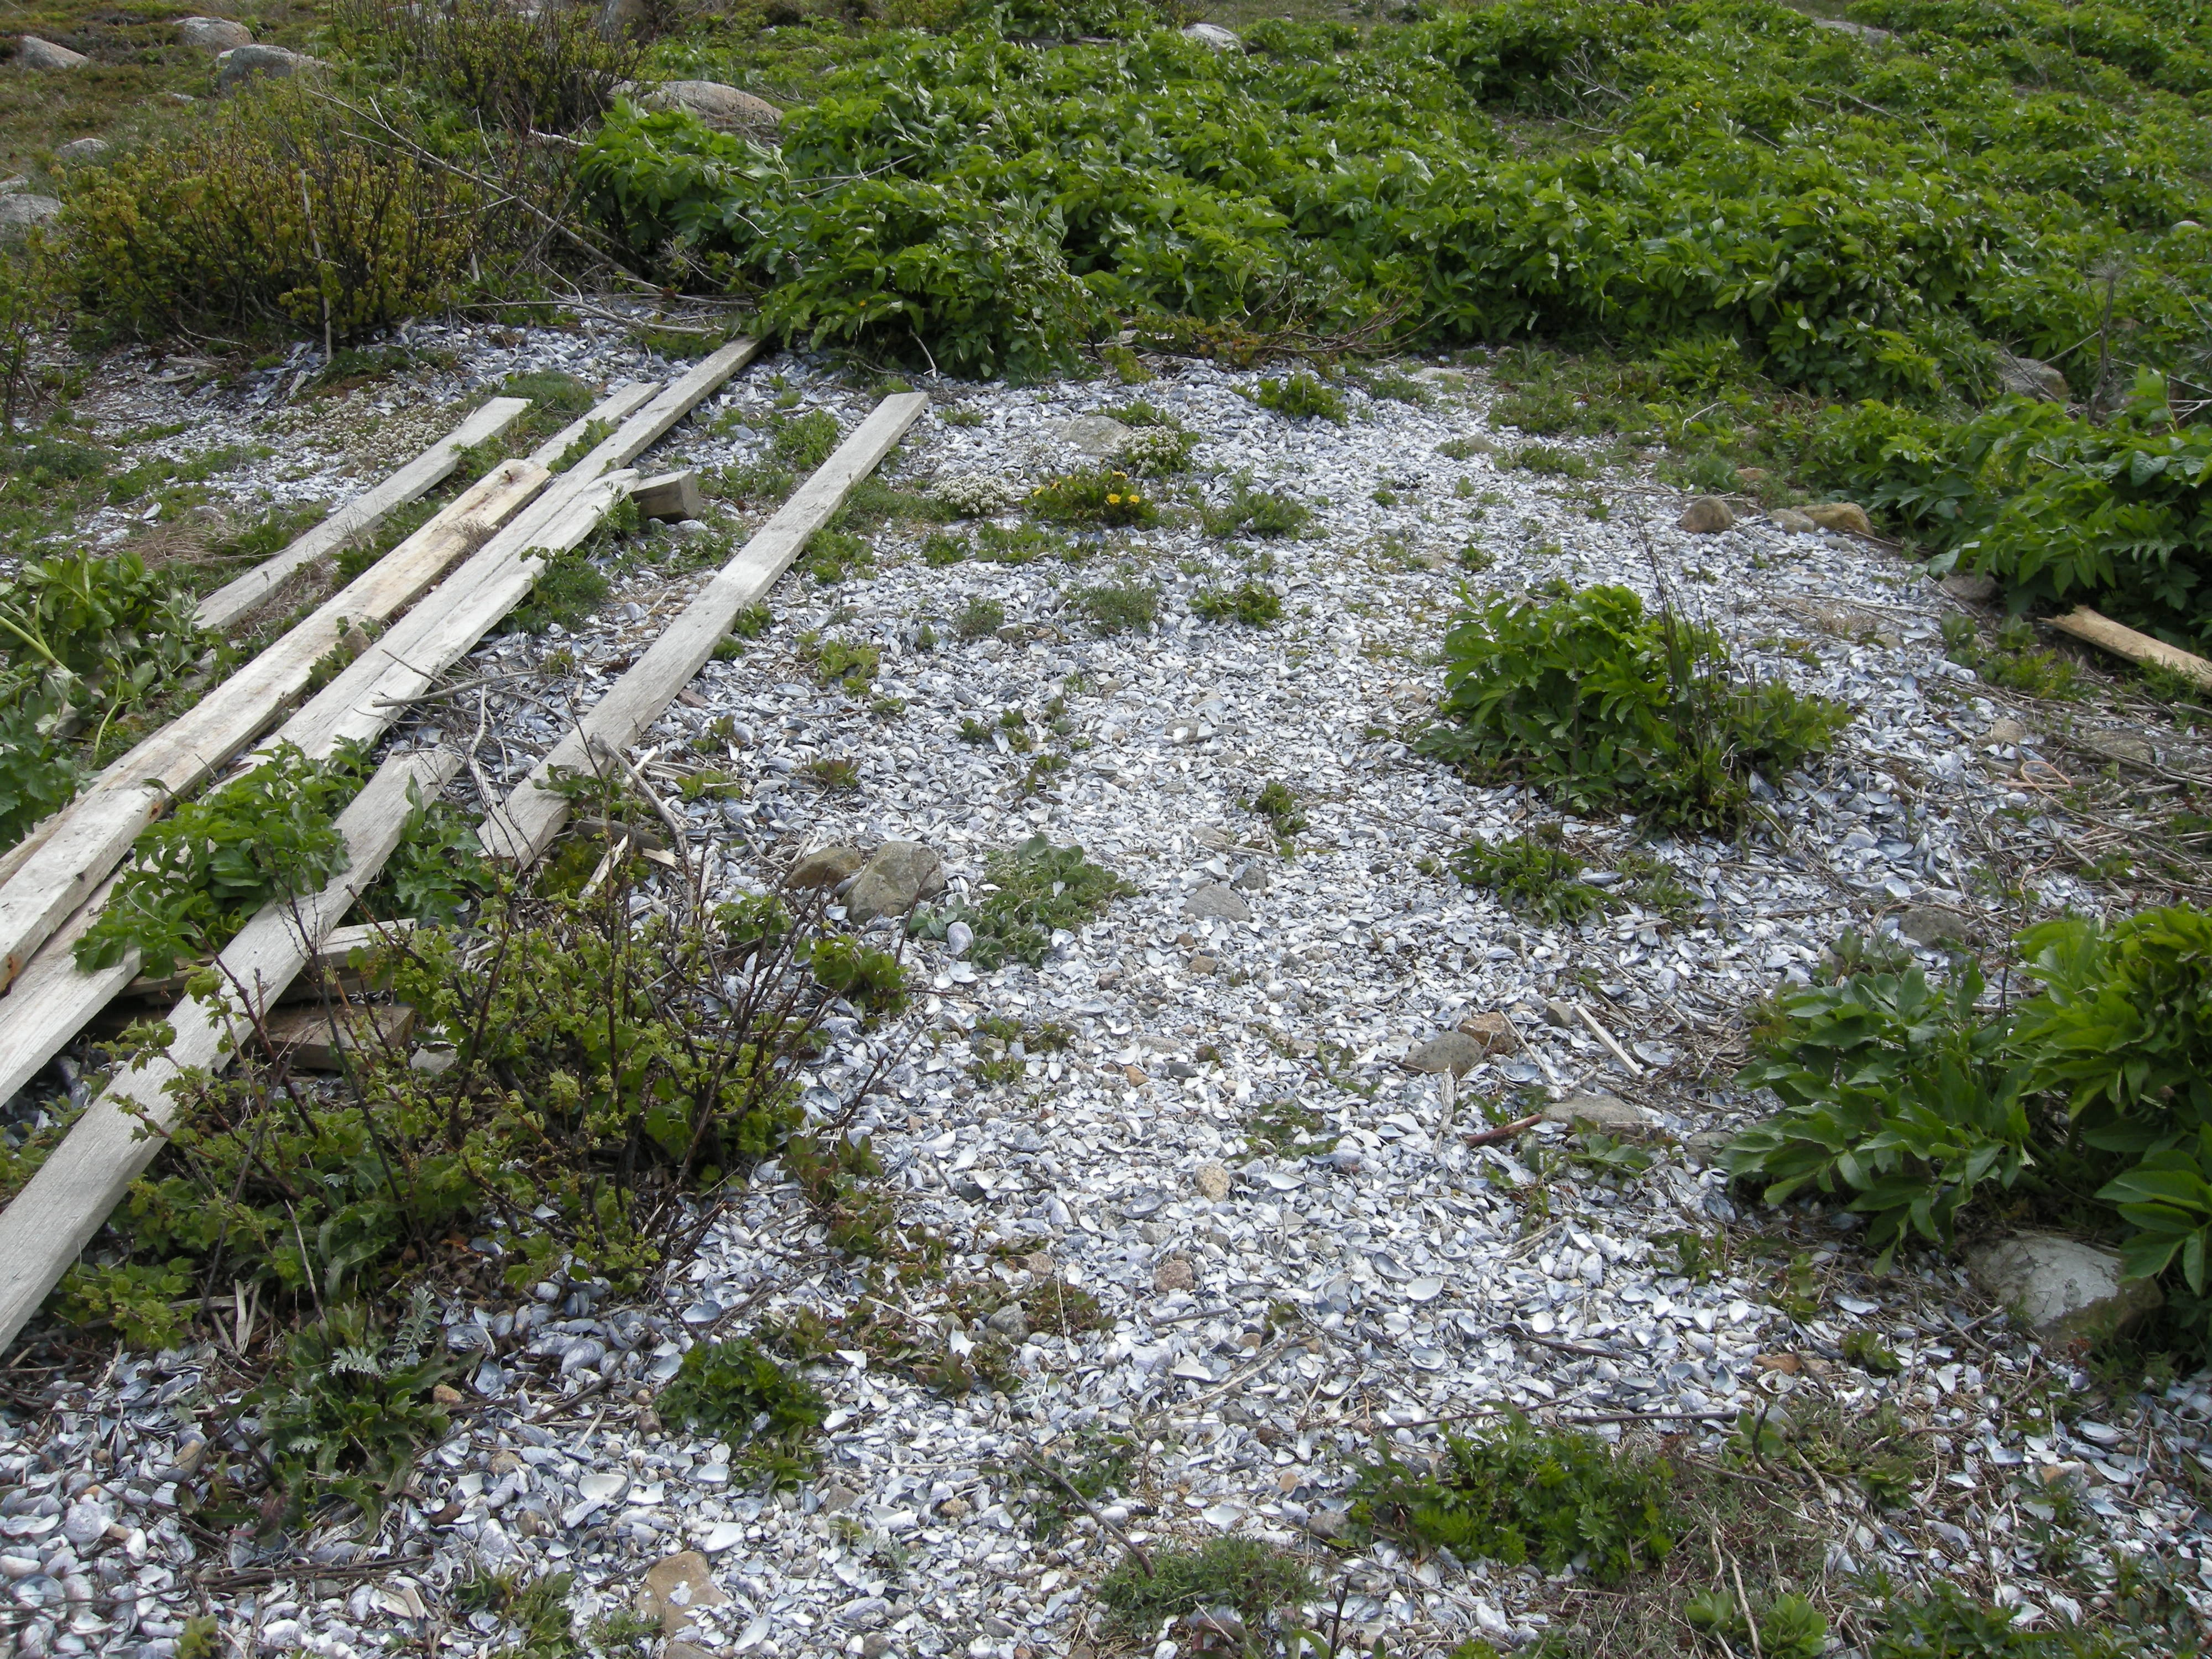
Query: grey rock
point(2030, 377)
point(2123, 746)
point(1095, 436)
point(1561, 1014)
point(1847, 517)
point(826, 866)
point(834, 1496)
point(1973, 588)
point(83, 149)
point(1923, 924)
point(1602, 1111)
point(617, 18)
point(2070, 1294)
point(1455, 1052)
point(726, 108)
point(22, 211)
point(1790, 519)
point(213, 35)
point(1250, 880)
point(674, 1587)
point(1866, 33)
point(876, 1644)
point(34, 53)
point(1011, 1322)
point(240, 64)
point(899, 875)
point(1328, 1523)
point(1218, 899)
point(1706, 515)
point(1707, 1147)
point(1214, 35)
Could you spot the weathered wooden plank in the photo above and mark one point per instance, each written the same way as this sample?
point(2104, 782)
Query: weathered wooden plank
point(65, 1203)
point(237, 597)
point(2122, 641)
point(619, 405)
point(531, 815)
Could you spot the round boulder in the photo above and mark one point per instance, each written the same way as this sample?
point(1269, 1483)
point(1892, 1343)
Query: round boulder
point(22, 211)
point(1706, 515)
point(213, 35)
point(34, 53)
point(726, 109)
point(1847, 516)
point(83, 149)
point(242, 63)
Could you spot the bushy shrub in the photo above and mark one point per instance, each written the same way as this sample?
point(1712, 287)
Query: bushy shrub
point(276, 210)
point(1910, 1104)
point(1520, 1493)
point(550, 69)
point(1605, 708)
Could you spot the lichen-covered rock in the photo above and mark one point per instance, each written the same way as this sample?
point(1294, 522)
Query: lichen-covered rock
point(1706, 515)
point(213, 35)
point(897, 877)
point(2070, 1294)
point(34, 53)
point(826, 866)
point(1847, 516)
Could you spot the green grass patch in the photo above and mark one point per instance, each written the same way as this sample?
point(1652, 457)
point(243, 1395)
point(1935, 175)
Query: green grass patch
point(1027, 894)
point(1255, 1581)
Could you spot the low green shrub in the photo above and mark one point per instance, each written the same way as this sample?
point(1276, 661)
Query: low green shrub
point(1911, 1105)
point(2014, 662)
point(569, 587)
point(549, 69)
point(273, 210)
point(1302, 397)
point(1277, 803)
point(736, 1393)
point(1255, 605)
point(982, 618)
point(805, 442)
point(1038, 888)
point(1606, 708)
point(1249, 512)
point(832, 555)
point(1118, 607)
point(1519, 1493)
point(940, 549)
point(1532, 872)
point(347, 1414)
point(1256, 1582)
point(1022, 544)
point(196, 875)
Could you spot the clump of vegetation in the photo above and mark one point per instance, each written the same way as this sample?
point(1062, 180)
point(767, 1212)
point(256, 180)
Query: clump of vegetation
point(569, 587)
point(1277, 803)
point(1118, 607)
point(1910, 1105)
point(1020, 545)
point(735, 1391)
point(1551, 462)
point(940, 549)
point(1249, 512)
point(196, 875)
point(1537, 874)
point(1256, 1581)
point(1302, 397)
point(2015, 663)
point(850, 663)
point(546, 70)
point(1255, 605)
point(1785, 1626)
point(1097, 495)
point(803, 441)
point(832, 555)
point(1156, 452)
point(980, 618)
point(1026, 895)
point(1606, 708)
point(1521, 1493)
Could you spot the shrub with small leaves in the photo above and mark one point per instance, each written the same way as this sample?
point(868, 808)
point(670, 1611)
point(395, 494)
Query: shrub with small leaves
point(1253, 604)
point(980, 619)
point(1118, 608)
point(736, 1392)
point(1303, 397)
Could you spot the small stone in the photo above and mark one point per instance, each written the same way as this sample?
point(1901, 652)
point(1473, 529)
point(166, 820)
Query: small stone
point(1706, 515)
point(2030, 377)
point(834, 1497)
point(242, 63)
point(81, 150)
point(1493, 1030)
point(1455, 1052)
point(2006, 730)
point(213, 35)
point(1923, 924)
point(2071, 1295)
point(728, 109)
point(1328, 1523)
point(1212, 34)
point(23, 211)
point(674, 1587)
point(1847, 516)
point(1173, 1274)
point(826, 866)
point(956, 1508)
point(1202, 965)
point(1795, 523)
point(1970, 586)
point(897, 876)
point(34, 53)
point(1561, 1014)
point(1218, 899)
point(1011, 1321)
point(1214, 1180)
point(1096, 435)
point(1601, 1111)
point(1250, 880)
point(447, 1394)
point(1708, 1146)
point(2125, 746)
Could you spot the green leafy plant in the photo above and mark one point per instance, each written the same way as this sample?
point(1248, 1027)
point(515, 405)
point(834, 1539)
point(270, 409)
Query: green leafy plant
point(1031, 890)
point(1256, 1581)
point(1277, 803)
point(980, 619)
point(568, 589)
point(1521, 1493)
point(1786, 1627)
point(1605, 707)
point(197, 874)
point(941, 550)
point(345, 1417)
point(1302, 397)
point(1119, 607)
point(735, 1391)
point(1097, 495)
point(1249, 512)
point(1253, 604)
point(1533, 872)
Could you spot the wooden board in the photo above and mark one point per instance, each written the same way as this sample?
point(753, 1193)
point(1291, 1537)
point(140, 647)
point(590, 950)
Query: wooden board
point(2121, 640)
point(311, 1037)
point(619, 403)
point(51, 1002)
point(235, 598)
point(64, 1205)
point(532, 816)
point(91, 835)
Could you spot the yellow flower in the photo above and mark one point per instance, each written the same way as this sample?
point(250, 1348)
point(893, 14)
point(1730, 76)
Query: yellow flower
point(1112, 501)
